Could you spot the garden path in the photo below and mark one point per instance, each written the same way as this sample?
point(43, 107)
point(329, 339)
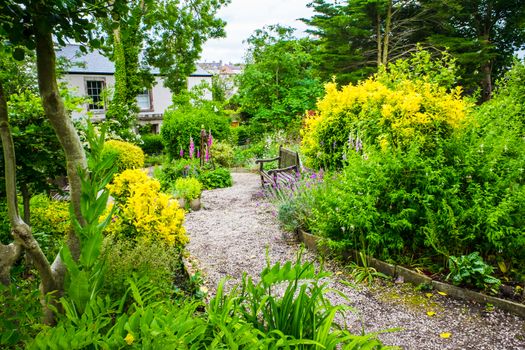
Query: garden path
point(231, 234)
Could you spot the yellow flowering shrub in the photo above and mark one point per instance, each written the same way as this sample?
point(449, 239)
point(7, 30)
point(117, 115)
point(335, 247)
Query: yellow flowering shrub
point(128, 156)
point(386, 116)
point(143, 212)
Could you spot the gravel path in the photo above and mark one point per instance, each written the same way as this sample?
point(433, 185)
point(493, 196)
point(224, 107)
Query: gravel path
point(231, 234)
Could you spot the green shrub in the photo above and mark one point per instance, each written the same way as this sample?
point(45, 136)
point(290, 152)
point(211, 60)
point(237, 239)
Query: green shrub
point(188, 188)
point(174, 169)
point(217, 178)
point(152, 144)
point(151, 260)
point(181, 124)
point(20, 314)
point(128, 156)
point(50, 223)
point(222, 154)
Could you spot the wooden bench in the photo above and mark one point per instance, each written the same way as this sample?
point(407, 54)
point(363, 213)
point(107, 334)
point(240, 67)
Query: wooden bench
point(288, 167)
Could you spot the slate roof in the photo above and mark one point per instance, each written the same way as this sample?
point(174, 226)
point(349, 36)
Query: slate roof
point(95, 63)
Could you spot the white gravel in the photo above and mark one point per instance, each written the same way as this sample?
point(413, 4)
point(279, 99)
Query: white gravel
point(231, 234)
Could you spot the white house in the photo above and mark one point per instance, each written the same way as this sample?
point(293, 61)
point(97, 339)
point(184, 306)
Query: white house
point(89, 74)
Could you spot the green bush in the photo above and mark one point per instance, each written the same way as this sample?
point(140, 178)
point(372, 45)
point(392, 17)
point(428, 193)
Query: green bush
point(217, 178)
point(174, 169)
point(148, 259)
point(222, 154)
point(152, 144)
point(181, 124)
point(128, 156)
point(50, 223)
point(188, 188)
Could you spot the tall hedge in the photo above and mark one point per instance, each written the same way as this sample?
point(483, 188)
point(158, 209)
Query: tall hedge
point(184, 122)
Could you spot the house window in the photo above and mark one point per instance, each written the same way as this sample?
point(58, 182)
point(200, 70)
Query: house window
point(94, 91)
point(144, 100)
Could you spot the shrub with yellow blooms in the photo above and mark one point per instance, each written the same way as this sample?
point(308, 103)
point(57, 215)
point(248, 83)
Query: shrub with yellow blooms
point(127, 155)
point(143, 212)
point(382, 112)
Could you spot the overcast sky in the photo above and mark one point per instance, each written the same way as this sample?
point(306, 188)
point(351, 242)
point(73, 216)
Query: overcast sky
point(243, 17)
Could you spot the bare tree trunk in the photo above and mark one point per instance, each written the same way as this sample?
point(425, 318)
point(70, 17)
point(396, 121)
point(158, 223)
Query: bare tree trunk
point(20, 230)
point(26, 198)
point(388, 25)
point(75, 157)
point(11, 252)
point(378, 33)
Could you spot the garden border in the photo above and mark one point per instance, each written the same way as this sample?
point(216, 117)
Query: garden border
point(312, 243)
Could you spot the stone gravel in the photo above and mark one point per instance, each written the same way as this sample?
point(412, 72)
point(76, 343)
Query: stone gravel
point(236, 227)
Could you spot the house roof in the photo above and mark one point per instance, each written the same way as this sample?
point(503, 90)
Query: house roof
point(95, 63)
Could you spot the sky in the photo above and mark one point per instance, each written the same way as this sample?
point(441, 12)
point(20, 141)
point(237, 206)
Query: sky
point(243, 17)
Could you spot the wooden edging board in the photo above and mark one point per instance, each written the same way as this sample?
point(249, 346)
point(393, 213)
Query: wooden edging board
point(312, 243)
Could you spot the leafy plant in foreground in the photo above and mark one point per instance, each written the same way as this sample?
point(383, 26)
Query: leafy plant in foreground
point(472, 270)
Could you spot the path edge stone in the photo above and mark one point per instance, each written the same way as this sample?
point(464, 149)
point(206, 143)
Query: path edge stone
point(312, 242)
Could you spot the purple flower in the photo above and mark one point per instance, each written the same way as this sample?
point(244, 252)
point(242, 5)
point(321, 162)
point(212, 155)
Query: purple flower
point(210, 139)
point(207, 154)
point(192, 147)
point(181, 153)
point(198, 153)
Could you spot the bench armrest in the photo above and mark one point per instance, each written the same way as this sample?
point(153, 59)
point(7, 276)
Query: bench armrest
point(282, 169)
point(266, 160)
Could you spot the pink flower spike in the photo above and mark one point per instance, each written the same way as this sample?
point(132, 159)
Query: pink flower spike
point(192, 147)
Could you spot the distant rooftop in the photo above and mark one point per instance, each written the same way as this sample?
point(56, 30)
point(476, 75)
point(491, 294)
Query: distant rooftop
point(95, 63)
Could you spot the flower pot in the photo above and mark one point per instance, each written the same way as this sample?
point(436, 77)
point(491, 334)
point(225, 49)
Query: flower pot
point(195, 204)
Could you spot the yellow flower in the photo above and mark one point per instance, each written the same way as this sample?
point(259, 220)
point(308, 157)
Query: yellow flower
point(129, 339)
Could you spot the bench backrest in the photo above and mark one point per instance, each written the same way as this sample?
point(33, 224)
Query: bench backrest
point(288, 158)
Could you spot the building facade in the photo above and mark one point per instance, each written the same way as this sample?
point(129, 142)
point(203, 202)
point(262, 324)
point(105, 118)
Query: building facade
point(89, 75)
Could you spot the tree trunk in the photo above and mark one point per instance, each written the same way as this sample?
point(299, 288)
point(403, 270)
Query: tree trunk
point(26, 198)
point(75, 157)
point(378, 33)
point(386, 34)
point(20, 230)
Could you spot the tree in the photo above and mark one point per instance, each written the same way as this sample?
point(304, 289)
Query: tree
point(39, 154)
point(482, 34)
point(34, 24)
point(356, 36)
point(278, 82)
point(167, 35)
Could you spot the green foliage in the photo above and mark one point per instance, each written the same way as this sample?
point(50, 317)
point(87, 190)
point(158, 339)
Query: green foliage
point(222, 154)
point(252, 316)
point(181, 124)
point(85, 274)
point(20, 314)
point(174, 169)
point(188, 188)
point(278, 83)
point(465, 193)
point(148, 260)
point(152, 144)
point(39, 156)
point(50, 223)
point(471, 270)
point(215, 178)
point(125, 154)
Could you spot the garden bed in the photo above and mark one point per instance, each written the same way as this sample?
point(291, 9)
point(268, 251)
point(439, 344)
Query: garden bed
point(407, 275)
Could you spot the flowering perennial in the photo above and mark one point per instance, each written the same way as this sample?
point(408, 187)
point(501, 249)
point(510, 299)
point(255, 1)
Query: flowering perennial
point(144, 212)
